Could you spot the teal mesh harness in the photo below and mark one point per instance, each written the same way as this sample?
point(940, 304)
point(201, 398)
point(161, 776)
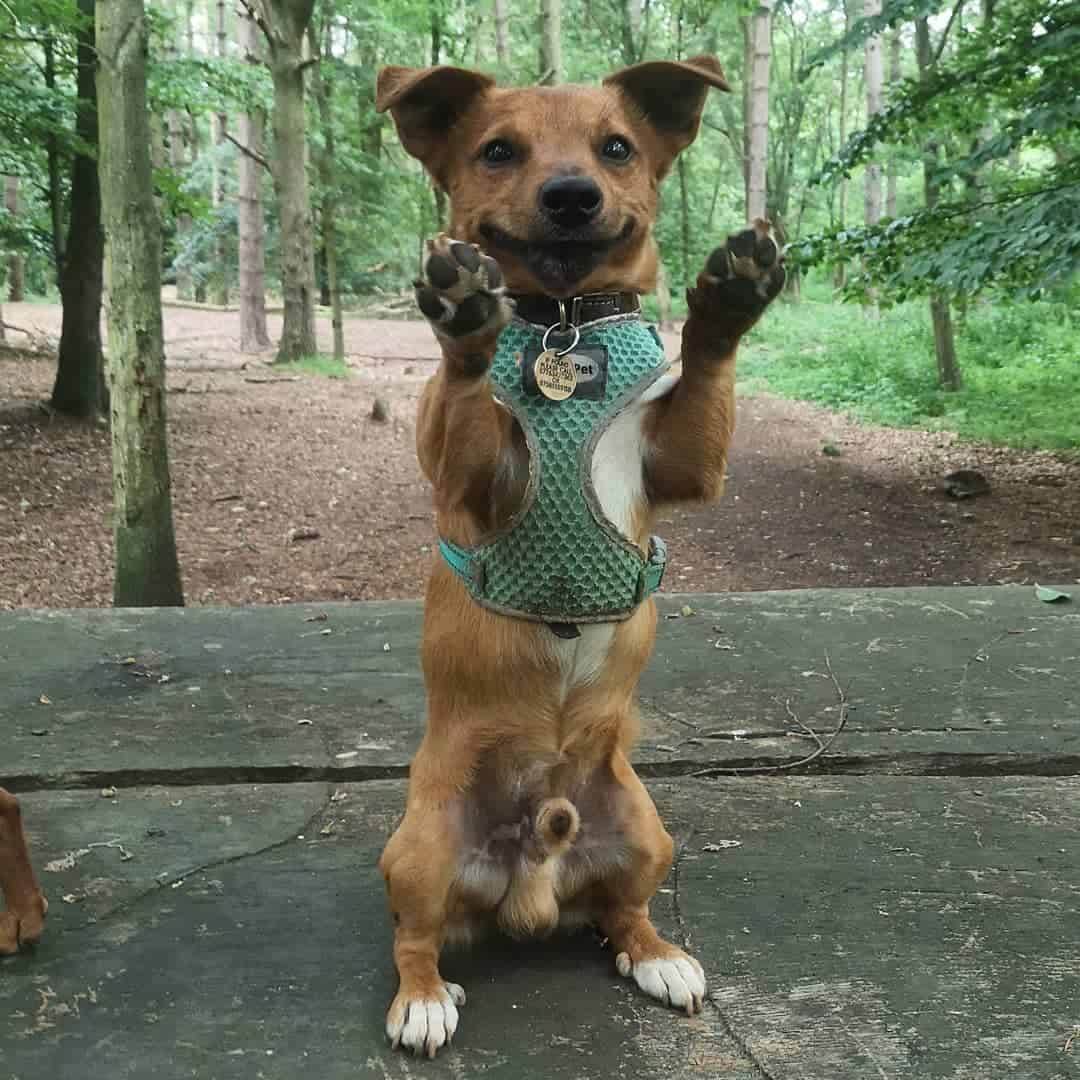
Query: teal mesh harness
point(560, 559)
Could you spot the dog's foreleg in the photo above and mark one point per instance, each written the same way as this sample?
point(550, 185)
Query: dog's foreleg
point(688, 430)
point(463, 435)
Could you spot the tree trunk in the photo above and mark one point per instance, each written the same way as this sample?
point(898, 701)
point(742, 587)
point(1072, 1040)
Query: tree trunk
point(944, 345)
point(872, 77)
point(220, 295)
point(178, 162)
point(894, 82)
point(663, 296)
point(79, 388)
point(328, 217)
point(841, 209)
point(631, 31)
point(249, 214)
point(502, 32)
point(147, 571)
point(287, 22)
point(682, 169)
point(760, 46)
point(52, 156)
point(551, 66)
point(16, 279)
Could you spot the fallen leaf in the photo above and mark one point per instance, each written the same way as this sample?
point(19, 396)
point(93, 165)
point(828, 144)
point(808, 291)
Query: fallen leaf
point(45, 699)
point(108, 793)
point(1050, 596)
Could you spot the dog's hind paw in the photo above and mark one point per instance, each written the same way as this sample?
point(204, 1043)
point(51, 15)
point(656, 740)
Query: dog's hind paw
point(461, 292)
point(676, 980)
point(424, 1025)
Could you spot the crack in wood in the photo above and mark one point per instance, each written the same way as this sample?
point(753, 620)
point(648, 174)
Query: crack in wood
point(900, 764)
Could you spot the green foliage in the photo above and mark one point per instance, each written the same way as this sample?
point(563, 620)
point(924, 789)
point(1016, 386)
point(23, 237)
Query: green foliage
point(1007, 91)
point(319, 364)
point(1022, 381)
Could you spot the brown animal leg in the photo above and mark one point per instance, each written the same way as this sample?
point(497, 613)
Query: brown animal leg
point(690, 428)
point(419, 865)
point(24, 919)
point(661, 969)
point(461, 433)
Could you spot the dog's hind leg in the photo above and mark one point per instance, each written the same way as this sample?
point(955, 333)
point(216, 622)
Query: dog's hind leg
point(420, 865)
point(24, 918)
point(662, 970)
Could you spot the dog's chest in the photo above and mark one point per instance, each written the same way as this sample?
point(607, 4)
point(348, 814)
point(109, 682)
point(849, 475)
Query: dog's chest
point(618, 478)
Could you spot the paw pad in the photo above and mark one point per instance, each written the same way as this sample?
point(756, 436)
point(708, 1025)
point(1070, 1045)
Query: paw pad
point(462, 291)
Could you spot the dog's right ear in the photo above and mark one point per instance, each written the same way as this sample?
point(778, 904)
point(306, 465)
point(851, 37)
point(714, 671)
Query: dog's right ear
point(425, 104)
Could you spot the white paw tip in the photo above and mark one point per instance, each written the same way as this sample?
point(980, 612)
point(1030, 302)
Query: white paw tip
point(677, 981)
point(425, 1026)
point(623, 965)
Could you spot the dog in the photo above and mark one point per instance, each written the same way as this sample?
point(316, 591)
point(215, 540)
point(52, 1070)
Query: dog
point(24, 918)
point(523, 812)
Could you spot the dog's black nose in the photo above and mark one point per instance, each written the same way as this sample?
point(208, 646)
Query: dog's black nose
point(571, 201)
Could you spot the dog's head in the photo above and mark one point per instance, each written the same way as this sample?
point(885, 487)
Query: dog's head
point(558, 183)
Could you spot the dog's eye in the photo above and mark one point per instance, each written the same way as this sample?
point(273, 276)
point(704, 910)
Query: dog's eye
point(617, 149)
point(498, 152)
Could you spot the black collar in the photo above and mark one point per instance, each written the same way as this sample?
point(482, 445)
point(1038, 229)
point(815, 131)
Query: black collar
point(547, 311)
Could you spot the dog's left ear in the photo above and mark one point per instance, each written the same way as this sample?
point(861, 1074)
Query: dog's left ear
point(670, 96)
point(425, 104)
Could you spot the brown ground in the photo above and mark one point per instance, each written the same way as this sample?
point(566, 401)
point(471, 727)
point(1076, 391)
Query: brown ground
point(254, 460)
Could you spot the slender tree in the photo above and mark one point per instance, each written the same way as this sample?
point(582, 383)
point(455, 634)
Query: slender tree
point(16, 276)
point(147, 570)
point(251, 227)
point(284, 24)
point(551, 64)
point(79, 388)
point(758, 121)
point(873, 79)
point(217, 176)
point(323, 87)
point(894, 80)
point(940, 315)
point(502, 31)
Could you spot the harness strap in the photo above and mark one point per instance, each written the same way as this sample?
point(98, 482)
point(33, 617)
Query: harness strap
point(471, 570)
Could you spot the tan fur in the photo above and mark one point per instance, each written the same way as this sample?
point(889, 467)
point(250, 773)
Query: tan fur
point(24, 919)
point(505, 739)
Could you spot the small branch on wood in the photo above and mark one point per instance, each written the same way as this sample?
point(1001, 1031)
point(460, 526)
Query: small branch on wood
point(248, 152)
point(822, 745)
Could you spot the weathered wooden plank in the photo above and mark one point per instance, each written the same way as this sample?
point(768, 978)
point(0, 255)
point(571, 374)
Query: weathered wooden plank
point(933, 676)
point(862, 928)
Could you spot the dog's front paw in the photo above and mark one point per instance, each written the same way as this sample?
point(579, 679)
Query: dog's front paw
point(22, 927)
point(424, 1025)
point(676, 979)
point(741, 278)
point(462, 293)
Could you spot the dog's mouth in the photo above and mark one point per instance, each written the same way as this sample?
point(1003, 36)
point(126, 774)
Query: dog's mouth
point(559, 259)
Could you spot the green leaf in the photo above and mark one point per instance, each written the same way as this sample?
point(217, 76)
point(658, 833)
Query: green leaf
point(1050, 596)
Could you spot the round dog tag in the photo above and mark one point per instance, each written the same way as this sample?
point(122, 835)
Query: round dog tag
point(555, 375)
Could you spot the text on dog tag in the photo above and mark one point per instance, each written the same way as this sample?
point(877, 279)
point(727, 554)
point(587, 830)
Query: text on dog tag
point(555, 375)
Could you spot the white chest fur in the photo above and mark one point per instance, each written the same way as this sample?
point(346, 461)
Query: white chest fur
point(618, 475)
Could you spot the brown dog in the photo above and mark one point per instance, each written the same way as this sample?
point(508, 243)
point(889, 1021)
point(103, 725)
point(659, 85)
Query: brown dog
point(523, 810)
point(24, 918)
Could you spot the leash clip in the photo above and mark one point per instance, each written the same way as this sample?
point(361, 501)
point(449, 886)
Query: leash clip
point(561, 328)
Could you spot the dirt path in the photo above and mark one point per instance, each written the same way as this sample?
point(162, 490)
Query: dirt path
point(254, 460)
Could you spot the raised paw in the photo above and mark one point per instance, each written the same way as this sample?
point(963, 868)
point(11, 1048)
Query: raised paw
point(676, 979)
point(744, 275)
point(461, 292)
point(423, 1024)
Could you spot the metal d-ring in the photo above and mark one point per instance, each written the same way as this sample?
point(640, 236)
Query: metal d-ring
point(562, 330)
